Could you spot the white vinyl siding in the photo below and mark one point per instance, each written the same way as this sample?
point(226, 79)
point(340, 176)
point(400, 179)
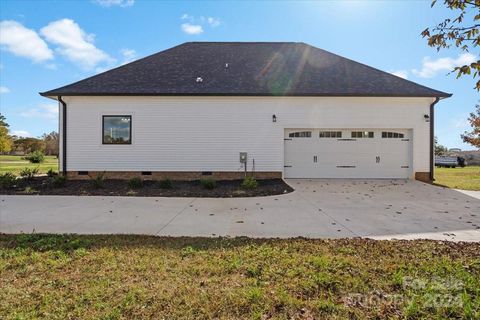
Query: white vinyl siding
point(208, 133)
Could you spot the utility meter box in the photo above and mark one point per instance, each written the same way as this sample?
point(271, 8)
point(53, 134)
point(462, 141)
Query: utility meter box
point(243, 157)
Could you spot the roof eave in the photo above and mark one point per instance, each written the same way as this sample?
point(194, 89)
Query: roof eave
point(433, 95)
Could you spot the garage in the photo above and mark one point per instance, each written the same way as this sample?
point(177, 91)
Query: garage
point(348, 153)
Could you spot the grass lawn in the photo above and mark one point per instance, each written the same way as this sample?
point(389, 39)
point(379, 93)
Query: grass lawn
point(15, 164)
point(467, 178)
point(133, 277)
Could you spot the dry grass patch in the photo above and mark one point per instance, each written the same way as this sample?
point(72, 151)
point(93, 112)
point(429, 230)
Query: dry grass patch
point(128, 277)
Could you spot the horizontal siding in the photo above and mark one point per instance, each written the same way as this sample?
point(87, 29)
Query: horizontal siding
point(207, 133)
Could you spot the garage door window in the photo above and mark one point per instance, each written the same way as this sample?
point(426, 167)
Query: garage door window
point(394, 135)
point(362, 134)
point(300, 134)
point(330, 134)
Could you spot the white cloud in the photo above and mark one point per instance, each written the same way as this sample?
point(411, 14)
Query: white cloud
point(120, 3)
point(400, 73)
point(195, 24)
point(191, 28)
point(74, 43)
point(23, 42)
point(214, 22)
point(431, 68)
point(44, 111)
point(21, 133)
point(4, 90)
point(128, 55)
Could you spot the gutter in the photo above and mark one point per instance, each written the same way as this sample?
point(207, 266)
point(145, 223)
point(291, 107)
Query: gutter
point(64, 135)
point(432, 138)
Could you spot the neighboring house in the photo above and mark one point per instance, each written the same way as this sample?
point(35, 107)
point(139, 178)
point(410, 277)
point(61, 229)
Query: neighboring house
point(296, 110)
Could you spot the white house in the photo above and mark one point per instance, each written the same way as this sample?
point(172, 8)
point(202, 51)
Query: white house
point(294, 111)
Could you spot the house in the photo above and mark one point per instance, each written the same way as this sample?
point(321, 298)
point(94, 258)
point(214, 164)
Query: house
point(282, 109)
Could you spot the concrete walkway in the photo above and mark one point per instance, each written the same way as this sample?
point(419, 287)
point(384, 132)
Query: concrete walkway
point(380, 209)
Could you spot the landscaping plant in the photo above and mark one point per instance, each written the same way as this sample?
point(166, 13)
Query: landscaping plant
point(98, 181)
point(58, 181)
point(208, 183)
point(35, 157)
point(28, 173)
point(249, 183)
point(135, 183)
point(29, 190)
point(51, 173)
point(165, 184)
point(7, 180)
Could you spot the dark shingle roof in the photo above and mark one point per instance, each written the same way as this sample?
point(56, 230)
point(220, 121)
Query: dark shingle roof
point(254, 69)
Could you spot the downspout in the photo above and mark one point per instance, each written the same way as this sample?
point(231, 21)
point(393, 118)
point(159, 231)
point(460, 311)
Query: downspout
point(64, 135)
point(432, 138)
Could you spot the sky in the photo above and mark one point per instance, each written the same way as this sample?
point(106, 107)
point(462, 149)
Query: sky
point(48, 44)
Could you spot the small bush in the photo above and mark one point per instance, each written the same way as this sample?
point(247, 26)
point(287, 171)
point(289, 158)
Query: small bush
point(249, 183)
point(51, 173)
point(29, 190)
point(208, 183)
point(7, 180)
point(135, 183)
point(98, 181)
point(35, 157)
point(165, 184)
point(28, 173)
point(59, 181)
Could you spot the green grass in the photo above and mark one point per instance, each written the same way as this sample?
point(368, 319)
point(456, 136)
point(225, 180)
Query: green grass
point(467, 178)
point(15, 164)
point(139, 277)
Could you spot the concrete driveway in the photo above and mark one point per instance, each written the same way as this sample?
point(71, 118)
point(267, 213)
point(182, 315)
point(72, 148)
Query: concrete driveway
point(319, 208)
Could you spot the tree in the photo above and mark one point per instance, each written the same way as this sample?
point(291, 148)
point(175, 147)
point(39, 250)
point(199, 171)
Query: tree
point(439, 149)
point(5, 139)
point(28, 145)
point(51, 143)
point(3, 121)
point(473, 137)
point(462, 31)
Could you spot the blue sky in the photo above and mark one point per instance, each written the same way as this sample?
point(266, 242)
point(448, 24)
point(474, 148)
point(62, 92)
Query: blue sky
point(47, 44)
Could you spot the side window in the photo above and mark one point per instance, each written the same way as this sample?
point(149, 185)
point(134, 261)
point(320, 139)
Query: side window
point(395, 135)
point(362, 134)
point(300, 134)
point(117, 129)
point(330, 134)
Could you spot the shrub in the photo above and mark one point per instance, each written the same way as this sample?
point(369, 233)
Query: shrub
point(28, 173)
point(35, 157)
point(59, 181)
point(98, 181)
point(51, 173)
point(249, 183)
point(166, 184)
point(208, 183)
point(7, 180)
point(135, 183)
point(29, 190)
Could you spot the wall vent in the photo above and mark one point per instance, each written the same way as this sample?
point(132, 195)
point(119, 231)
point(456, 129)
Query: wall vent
point(146, 173)
point(82, 173)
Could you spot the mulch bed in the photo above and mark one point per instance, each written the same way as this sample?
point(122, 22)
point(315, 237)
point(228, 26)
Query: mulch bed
point(223, 189)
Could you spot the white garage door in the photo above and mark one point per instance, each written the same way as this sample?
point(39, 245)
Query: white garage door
point(348, 153)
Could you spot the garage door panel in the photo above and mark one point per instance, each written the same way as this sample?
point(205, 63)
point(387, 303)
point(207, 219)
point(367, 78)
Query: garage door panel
point(347, 157)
